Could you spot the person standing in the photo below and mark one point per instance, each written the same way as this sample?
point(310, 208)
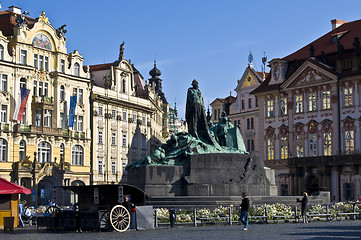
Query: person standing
point(244, 211)
point(304, 202)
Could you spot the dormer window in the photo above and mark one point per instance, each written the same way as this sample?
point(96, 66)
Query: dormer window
point(337, 36)
point(76, 69)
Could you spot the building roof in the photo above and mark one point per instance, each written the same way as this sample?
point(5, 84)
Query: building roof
point(99, 67)
point(7, 22)
point(7, 187)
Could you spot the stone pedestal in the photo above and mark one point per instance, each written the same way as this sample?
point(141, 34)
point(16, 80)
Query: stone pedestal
point(223, 174)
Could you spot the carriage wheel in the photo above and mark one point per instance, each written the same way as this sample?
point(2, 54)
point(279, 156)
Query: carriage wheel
point(120, 218)
point(52, 209)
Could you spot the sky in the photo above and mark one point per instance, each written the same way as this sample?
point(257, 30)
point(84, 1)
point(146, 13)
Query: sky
point(206, 40)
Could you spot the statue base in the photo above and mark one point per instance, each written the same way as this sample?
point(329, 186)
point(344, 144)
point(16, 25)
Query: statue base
point(215, 174)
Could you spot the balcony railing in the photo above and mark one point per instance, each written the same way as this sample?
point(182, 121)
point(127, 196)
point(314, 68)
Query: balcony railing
point(43, 99)
point(44, 130)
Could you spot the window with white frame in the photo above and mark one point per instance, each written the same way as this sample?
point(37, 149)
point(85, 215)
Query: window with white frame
point(46, 87)
point(37, 118)
point(327, 144)
point(77, 155)
point(36, 61)
point(114, 169)
point(299, 146)
point(313, 145)
point(124, 116)
point(35, 87)
point(44, 152)
point(75, 92)
point(23, 56)
point(270, 108)
point(143, 120)
point(114, 139)
point(76, 69)
point(283, 106)
point(22, 150)
point(80, 96)
point(299, 103)
point(22, 83)
point(100, 166)
point(349, 142)
point(134, 117)
point(41, 62)
point(62, 151)
point(312, 102)
point(1, 52)
point(270, 147)
point(114, 114)
point(284, 148)
point(4, 83)
point(23, 120)
point(124, 140)
point(80, 123)
point(326, 100)
point(100, 137)
point(62, 65)
point(40, 89)
point(62, 120)
point(46, 63)
point(348, 97)
point(4, 113)
point(62, 93)
point(48, 117)
point(3, 150)
point(100, 109)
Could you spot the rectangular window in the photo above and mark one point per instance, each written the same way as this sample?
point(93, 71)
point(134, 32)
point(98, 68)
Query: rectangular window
point(23, 56)
point(100, 111)
point(100, 137)
point(35, 88)
point(47, 117)
point(114, 171)
point(242, 104)
point(299, 104)
point(46, 64)
point(41, 60)
point(80, 123)
point(284, 148)
point(4, 113)
point(75, 125)
point(134, 118)
point(62, 65)
point(349, 142)
point(40, 88)
point(46, 86)
point(327, 144)
point(283, 106)
point(100, 166)
point(75, 92)
point(4, 83)
point(114, 137)
point(38, 118)
point(326, 100)
point(35, 60)
point(299, 146)
point(114, 113)
point(249, 103)
point(256, 102)
point(215, 114)
point(62, 123)
point(219, 114)
point(270, 149)
point(313, 145)
point(270, 108)
point(80, 96)
point(250, 123)
point(348, 97)
point(250, 145)
point(312, 102)
point(124, 116)
point(124, 140)
point(23, 120)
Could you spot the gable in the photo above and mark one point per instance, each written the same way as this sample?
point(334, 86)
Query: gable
point(307, 75)
point(249, 80)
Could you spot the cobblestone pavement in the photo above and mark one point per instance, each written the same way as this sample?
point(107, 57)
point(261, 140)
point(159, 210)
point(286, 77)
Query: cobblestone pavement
point(314, 230)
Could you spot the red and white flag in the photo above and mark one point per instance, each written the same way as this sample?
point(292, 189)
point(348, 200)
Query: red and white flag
point(20, 105)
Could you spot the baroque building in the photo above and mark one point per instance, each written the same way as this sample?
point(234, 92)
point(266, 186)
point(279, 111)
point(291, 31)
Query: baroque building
point(127, 118)
point(310, 116)
point(44, 132)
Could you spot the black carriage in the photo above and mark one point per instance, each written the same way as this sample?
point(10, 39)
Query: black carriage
point(98, 207)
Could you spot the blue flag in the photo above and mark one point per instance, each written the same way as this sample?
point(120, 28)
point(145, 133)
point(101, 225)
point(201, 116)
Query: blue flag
point(72, 111)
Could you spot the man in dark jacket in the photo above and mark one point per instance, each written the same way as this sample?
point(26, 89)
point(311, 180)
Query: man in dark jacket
point(244, 211)
point(304, 202)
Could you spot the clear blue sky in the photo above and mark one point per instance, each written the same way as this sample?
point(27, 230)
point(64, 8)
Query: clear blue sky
point(205, 40)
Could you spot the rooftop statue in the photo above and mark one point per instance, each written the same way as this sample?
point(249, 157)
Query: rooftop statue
point(201, 138)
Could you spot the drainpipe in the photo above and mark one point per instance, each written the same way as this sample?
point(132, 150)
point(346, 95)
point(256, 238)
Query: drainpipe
point(339, 130)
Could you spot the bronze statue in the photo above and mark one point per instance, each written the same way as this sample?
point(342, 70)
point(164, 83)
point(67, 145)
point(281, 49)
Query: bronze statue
point(121, 51)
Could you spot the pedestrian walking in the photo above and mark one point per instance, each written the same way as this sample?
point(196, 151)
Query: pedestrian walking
point(244, 211)
point(21, 213)
point(304, 202)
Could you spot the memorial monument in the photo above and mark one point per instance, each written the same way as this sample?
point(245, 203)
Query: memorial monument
point(208, 160)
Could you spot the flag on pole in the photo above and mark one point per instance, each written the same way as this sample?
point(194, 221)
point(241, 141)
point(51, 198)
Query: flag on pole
point(20, 105)
point(72, 110)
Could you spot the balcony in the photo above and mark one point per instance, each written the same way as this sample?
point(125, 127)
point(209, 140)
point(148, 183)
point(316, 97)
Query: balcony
point(43, 100)
point(4, 126)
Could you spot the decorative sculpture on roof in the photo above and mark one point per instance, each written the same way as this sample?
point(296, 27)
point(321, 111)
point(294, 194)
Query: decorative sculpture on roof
point(61, 31)
point(21, 20)
point(222, 137)
point(121, 51)
point(42, 18)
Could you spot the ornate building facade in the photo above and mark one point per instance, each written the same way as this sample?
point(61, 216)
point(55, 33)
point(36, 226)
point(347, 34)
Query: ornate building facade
point(310, 113)
point(38, 148)
point(127, 118)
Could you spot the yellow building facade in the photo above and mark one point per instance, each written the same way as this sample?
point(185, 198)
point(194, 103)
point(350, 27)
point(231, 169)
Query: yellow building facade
point(39, 150)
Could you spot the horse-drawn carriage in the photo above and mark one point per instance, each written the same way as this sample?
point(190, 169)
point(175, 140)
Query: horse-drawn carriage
point(98, 207)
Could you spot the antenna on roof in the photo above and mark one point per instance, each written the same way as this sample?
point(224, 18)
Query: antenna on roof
point(250, 58)
point(264, 60)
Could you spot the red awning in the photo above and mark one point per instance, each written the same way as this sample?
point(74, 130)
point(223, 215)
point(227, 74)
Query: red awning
point(7, 187)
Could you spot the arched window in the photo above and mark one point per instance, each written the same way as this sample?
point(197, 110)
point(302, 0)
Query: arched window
point(77, 155)
point(22, 150)
point(3, 150)
point(22, 83)
point(1, 52)
point(44, 152)
point(76, 69)
point(62, 93)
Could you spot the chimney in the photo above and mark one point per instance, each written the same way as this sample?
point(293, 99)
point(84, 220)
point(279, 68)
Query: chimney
point(336, 23)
